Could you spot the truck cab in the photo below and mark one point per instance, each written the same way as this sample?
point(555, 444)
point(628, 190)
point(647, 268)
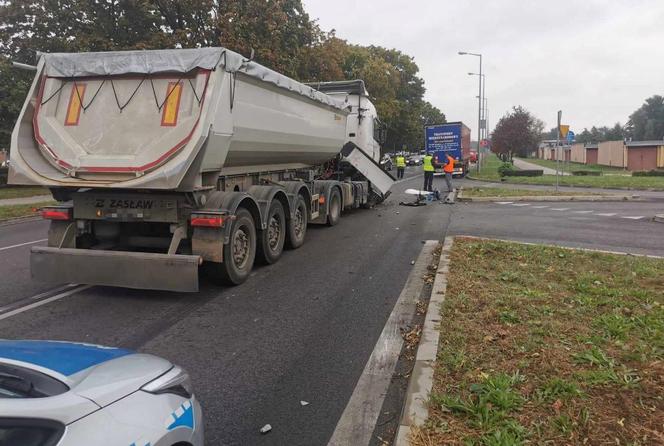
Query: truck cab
point(363, 128)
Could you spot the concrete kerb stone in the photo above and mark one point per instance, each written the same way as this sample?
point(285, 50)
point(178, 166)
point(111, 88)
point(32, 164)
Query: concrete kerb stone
point(415, 410)
point(461, 197)
point(17, 220)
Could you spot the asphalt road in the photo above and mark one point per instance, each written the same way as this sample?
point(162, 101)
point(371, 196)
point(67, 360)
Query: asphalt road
point(301, 329)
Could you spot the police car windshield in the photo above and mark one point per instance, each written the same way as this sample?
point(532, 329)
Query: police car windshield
point(20, 382)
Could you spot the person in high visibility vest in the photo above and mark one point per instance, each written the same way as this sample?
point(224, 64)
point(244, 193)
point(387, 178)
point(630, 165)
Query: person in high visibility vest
point(401, 165)
point(448, 168)
point(427, 166)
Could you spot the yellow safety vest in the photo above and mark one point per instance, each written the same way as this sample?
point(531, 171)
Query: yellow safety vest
point(401, 161)
point(427, 165)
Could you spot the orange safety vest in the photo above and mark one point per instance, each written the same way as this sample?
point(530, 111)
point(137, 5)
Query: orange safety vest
point(449, 167)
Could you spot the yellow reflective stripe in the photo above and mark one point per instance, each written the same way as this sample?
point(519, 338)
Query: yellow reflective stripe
point(74, 108)
point(172, 106)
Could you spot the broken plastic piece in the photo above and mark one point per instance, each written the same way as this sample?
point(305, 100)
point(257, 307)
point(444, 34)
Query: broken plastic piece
point(265, 429)
point(304, 403)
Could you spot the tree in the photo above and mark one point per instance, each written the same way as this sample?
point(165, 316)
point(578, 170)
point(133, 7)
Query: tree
point(518, 132)
point(647, 122)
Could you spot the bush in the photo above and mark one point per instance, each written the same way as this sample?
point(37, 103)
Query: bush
point(3, 175)
point(649, 173)
point(505, 167)
point(524, 173)
point(587, 173)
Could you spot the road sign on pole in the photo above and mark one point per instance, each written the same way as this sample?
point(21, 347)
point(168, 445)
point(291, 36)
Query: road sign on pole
point(570, 137)
point(563, 131)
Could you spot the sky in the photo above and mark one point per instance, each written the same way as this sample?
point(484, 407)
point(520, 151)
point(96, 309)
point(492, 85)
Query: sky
point(597, 61)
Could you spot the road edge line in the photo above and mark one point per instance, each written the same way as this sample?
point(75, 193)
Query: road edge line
point(48, 300)
point(415, 410)
point(358, 420)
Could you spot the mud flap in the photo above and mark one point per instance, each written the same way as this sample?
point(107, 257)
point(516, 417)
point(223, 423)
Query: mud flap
point(138, 270)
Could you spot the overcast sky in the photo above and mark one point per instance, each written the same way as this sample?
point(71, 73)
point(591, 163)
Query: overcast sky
point(595, 60)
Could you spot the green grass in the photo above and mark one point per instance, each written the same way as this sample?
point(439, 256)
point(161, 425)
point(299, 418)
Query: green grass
point(21, 210)
point(545, 345)
point(505, 192)
point(576, 166)
point(489, 172)
point(20, 192)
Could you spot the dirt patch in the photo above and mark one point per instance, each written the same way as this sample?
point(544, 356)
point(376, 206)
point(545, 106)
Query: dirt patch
point(543, 345)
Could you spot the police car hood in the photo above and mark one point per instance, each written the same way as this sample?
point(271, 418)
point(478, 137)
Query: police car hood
point(100, 374)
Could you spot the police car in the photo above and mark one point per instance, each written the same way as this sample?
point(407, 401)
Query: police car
point(68, 394)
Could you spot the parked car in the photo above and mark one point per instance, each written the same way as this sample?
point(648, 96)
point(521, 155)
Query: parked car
point(71, 394)
point(414, 160)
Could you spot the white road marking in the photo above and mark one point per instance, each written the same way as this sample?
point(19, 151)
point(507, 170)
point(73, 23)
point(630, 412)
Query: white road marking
point(608, 214)
point(504, 202)
point(520, 204)
point(44, 301)
point(583, 212)
point(540, 207)
point(358, 421)
point(560, 209)
point(4, 248)
point(636, 217)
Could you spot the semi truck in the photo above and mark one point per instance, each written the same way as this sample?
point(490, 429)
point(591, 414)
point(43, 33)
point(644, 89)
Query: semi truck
point(167, 162)
point(452, 138)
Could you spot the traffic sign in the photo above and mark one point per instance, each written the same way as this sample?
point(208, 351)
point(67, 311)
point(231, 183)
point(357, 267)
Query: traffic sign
point(570, 137)
point(563, 130)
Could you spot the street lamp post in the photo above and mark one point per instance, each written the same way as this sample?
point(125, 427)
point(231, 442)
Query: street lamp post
point(479, 108)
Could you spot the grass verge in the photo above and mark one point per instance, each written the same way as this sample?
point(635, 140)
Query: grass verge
point(21, 210)
point(21, 192)
point(503, 192)
point(554, 347)
point(489, 172)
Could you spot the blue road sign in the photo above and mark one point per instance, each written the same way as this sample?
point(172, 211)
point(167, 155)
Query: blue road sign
point(570, 137)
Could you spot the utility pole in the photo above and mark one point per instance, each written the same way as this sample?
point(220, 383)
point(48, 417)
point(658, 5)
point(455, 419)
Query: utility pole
point(560, 115)
point(479, 109)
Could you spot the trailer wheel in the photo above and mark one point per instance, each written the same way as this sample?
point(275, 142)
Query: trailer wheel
point(271, 243)
point(240, 251)
point(334, 214)
point(297, 225)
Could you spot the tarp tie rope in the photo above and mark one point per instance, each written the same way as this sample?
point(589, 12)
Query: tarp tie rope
point(80, 99)
point(122, 107)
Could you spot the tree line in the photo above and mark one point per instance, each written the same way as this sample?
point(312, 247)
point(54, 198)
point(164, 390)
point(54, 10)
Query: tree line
point(281, 33)
point(644, 124)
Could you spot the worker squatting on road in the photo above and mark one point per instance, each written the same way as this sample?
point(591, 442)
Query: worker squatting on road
point(427, 166)
point(401, 166)
point(448, 168)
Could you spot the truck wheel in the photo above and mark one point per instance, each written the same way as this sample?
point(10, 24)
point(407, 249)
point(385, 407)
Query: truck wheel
point(334, 213)
point(297, 225)
point(271, 243)
point(240, 251)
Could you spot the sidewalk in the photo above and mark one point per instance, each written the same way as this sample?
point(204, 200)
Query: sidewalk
point(26, 200)
point(525, 165)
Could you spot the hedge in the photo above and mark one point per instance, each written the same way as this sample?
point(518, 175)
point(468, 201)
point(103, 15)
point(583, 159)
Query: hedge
point(649, 173)
point(523, 173)
point(587, 173)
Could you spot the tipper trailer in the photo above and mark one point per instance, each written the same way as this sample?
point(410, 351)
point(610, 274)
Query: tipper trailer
point(169, 160)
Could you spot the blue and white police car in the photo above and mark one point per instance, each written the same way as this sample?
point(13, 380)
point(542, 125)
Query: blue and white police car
point(69, 394)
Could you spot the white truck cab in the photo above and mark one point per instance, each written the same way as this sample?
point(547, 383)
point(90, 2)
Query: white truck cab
point(363, 128)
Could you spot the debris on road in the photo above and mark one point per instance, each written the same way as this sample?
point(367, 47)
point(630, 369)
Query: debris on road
point(304, 403)
point(265, 429)
point(412, 262)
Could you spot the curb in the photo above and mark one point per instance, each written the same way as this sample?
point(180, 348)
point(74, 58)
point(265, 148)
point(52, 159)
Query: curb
point(553, 198)
point(645, 189)
point(17, 220)
point(659, 218)
point(415, 410)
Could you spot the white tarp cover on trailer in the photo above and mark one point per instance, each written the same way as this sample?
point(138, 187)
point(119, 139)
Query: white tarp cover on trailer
point(114, 63)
